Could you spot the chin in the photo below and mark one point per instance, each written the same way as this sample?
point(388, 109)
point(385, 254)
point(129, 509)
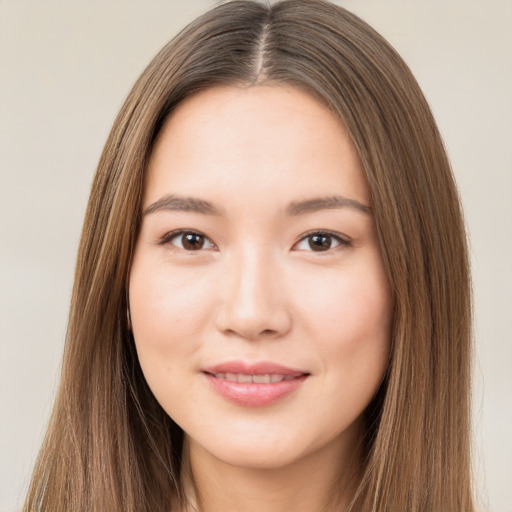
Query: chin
point(257, 459)
point(262, 450)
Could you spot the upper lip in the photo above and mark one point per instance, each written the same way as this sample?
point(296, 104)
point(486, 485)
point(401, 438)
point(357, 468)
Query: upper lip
point(259, 368)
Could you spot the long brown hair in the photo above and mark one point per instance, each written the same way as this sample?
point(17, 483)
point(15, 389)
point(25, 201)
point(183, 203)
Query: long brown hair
point(109, 444)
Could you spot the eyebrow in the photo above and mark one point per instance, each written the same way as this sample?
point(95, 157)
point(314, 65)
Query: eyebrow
point(325, 203)
point(183, 204)
point(174, 202)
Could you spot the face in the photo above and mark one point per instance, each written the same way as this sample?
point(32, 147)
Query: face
point(260, 308)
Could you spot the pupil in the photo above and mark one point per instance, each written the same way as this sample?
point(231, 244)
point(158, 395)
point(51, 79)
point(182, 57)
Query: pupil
point(192, 241)
point(320, 242)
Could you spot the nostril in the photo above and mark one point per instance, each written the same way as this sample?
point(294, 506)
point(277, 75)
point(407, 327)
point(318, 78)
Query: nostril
point(252, 320)
point(246, 333)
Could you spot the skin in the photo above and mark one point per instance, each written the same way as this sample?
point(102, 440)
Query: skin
point(256, 290)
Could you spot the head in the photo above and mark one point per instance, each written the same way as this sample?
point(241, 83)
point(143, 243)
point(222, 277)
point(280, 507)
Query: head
point(331, 56)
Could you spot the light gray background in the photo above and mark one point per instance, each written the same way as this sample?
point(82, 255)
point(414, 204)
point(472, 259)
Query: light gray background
point(66, 67)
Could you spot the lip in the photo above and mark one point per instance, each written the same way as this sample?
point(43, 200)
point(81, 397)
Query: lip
point(260, 368)
point(254, 394)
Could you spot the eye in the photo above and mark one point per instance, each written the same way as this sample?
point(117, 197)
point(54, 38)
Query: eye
point(188, 240)
point(321, 241)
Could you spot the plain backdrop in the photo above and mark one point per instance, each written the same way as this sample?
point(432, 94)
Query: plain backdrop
point(65, 68)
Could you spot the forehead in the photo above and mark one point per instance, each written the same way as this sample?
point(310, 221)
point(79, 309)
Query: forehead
point(254, 140)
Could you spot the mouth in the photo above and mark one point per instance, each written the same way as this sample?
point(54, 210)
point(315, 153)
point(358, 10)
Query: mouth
point(255, 379)
point(254, 385)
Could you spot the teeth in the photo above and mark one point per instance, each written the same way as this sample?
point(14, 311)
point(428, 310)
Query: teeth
point(261, 379)
point(257, 379)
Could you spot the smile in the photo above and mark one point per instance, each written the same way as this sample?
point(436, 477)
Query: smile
point(254, 385)
point(256, 379)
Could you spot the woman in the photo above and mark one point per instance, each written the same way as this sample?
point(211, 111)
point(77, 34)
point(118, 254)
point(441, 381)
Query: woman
point(270, 308)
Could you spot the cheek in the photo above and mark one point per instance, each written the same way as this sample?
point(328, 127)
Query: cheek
point(349, 315)
point(167, 311)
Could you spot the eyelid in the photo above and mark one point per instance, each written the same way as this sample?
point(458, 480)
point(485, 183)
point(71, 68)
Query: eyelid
point(344, 240)
point(166, 239)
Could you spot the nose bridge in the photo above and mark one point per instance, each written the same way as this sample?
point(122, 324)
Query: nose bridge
point(252, 272)
point(254, 302)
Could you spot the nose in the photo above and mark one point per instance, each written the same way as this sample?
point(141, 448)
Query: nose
point(253, 300)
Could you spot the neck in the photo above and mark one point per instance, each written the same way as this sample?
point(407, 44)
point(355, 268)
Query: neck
point(324, 481)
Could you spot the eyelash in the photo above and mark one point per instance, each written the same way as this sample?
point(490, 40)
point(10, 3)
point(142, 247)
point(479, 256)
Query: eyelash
point(168, 237)
point(341, 240)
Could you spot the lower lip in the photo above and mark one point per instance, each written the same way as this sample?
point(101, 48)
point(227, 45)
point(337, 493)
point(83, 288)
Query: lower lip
point(252, 394)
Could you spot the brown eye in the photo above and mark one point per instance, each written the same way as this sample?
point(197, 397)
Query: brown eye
point(192, 241)
point(188, 240)
point(320, 242)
